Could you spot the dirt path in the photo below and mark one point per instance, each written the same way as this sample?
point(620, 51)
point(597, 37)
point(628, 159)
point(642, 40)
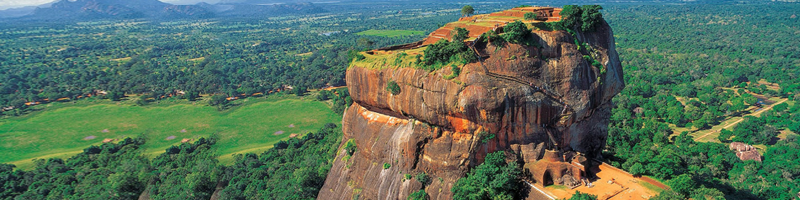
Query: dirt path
point(742, 119)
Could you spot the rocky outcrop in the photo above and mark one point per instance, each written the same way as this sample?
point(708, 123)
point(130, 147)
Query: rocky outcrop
point(745, 151)
point(518, 99)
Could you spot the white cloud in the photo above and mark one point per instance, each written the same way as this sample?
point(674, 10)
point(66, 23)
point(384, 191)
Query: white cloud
point(21, 3)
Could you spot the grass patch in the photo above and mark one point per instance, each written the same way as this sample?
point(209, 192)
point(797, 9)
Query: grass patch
point(390, 33)
point(785, 133)
point(651, 187)
point(557, 187)
point(727, 122)
point(389, 59)
point(252, 127)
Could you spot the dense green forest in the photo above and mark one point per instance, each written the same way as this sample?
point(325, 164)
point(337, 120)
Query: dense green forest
point(711, 57)
point(230, 57)
point(292, 169)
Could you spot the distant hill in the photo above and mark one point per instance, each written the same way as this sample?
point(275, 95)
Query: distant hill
point(17, 12)
point(102, 9)
point(127, 9)
point(245, 9)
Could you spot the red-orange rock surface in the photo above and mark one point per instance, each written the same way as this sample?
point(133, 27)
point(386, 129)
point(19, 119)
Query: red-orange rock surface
point(433, 124)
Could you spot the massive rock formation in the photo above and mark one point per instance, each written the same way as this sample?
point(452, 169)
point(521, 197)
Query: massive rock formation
point(520, 99)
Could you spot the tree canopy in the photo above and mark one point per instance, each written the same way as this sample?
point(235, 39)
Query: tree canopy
point(493, 179)
point(467, 10)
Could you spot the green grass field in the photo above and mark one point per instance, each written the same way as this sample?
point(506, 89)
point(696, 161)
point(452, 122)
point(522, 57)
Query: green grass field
point(390, 33)
point(728, 123)
point(252, 127)
point(651, 186)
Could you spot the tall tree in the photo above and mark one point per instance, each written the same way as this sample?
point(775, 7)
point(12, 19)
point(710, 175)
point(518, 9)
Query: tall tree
point(467, 10)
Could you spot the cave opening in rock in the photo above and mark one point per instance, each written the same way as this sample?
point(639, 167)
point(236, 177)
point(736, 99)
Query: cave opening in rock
point(547, 179)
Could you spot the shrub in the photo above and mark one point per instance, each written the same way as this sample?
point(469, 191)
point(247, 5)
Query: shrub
point(399, 59)
point(586, 17)
point(571, 15)
point(493, 38)
point(300, 90)
point(350, 146)
point(460, 34)
point(407, 177)
point(423, 178)
point(582, 196)
point(485, 136)
point(386, 165)
point(324, 95)
point(443, 51)
point(516, 32)
point(455, 72)
point(591, 17)
point(353, 54)
point(393, 88)
point(493, 179)
point(637, 169)
point(530, 16)
point(595, 63)
point(552, 26)
point(418, 195)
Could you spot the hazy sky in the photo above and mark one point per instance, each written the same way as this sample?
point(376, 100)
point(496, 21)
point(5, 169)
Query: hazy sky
point(21, 3)
point(4, 4)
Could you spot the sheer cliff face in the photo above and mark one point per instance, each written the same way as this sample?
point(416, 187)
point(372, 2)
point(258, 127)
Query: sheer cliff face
point(444, 127)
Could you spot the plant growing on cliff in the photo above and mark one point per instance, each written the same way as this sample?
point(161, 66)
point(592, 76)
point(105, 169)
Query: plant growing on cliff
point(493, 179)
point(494, 39)
point(393, 88)
point(399, 59)
point(485, 136)
point(518, 33)
point(423, 178)
point(586, 18)
point(591, 17)
point(350, 147)
point(595, 63)
point(418, 195)
point(455, 71)
point(353, 54)
point(386, 165)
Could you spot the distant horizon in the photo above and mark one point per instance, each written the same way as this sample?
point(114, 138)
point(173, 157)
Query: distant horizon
point(11, 4)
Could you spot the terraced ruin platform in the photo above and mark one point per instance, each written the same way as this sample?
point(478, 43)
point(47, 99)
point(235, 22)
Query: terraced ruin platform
point(476, 25)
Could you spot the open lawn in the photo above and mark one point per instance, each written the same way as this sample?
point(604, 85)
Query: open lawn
point(64, 132)
point(711, 134)
point(390, 33)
